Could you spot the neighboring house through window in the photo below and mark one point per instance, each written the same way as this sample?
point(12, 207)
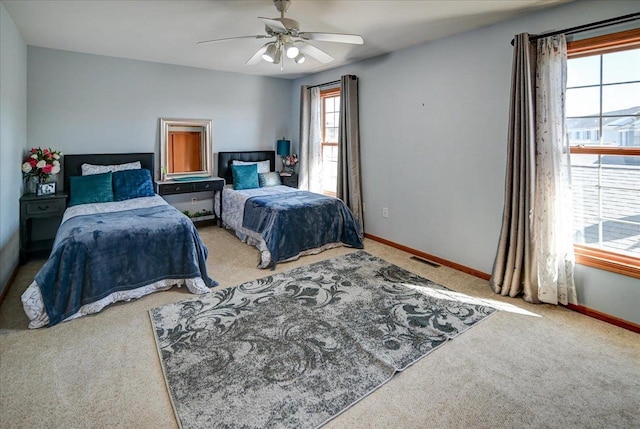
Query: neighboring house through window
point(603, 125)
point(330, 100)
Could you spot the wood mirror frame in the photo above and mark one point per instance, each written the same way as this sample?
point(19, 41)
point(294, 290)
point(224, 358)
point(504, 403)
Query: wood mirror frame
point(186, 148)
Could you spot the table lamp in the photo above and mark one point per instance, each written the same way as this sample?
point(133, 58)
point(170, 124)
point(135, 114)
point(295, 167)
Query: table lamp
point(283, 149)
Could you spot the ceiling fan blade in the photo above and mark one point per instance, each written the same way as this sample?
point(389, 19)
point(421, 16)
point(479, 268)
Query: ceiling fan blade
point(354, 39)
point(257, 36)
point(255, 59)
point(314, 52)
point(274, 24)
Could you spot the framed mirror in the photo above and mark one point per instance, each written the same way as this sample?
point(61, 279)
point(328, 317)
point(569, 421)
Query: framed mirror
point(186, 148)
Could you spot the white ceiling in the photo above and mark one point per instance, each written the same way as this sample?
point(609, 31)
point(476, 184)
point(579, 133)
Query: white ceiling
point(167, 31)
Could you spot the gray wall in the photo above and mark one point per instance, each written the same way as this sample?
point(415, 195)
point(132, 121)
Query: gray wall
point(433, 123)
point(13, 139)
point(81, 103)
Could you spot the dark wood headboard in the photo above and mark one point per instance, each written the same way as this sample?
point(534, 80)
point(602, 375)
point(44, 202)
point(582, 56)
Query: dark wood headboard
point(226, 158)
point(73, 163)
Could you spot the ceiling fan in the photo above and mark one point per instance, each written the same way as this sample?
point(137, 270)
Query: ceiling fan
point(289, 40)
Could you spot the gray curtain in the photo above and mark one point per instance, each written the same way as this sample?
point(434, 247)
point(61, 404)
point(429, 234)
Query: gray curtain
point(349, 180)
point(514, 267)
point(310, 168)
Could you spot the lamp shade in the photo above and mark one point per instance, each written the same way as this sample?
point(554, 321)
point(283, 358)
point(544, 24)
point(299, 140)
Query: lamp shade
point(284, 147)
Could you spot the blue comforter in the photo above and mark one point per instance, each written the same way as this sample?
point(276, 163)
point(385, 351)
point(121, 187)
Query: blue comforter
point(297, 221)
point(96, 255)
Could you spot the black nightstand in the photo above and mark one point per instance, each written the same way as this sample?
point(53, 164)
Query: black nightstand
point(291, 181)
point(40, 218)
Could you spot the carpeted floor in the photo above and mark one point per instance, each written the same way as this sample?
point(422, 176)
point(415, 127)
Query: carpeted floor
point(526, 366)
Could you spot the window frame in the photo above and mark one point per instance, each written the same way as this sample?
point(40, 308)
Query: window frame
point(585, 254)
point(324, 94)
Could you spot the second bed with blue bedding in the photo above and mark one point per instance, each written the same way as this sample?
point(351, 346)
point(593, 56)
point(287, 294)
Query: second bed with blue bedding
point(293, 222)
point(285, 223)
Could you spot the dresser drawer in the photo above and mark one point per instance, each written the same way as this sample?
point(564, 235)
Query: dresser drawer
point(214, 185)
point(45, 207)
point(175, 188)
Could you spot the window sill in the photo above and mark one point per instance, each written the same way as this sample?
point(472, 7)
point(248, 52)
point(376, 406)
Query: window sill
point(608, 261)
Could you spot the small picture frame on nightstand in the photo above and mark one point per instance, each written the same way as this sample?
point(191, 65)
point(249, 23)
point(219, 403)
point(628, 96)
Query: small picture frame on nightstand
point(43, 189)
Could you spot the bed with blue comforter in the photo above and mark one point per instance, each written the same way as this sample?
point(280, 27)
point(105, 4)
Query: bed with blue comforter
point(285, 223)
point(294, 222)
point(109, 252)
point(117, 241)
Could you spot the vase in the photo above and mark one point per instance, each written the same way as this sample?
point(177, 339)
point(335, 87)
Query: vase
point(30, 185)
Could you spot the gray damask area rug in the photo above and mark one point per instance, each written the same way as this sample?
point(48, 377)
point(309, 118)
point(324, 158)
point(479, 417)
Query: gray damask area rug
point(295, 349)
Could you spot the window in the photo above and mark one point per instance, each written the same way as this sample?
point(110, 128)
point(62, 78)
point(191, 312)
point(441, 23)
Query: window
point(330, 99)
point(603, 125)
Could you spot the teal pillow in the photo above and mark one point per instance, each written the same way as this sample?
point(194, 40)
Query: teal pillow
point(245, 176)
point(269, 179)
point(95, 188)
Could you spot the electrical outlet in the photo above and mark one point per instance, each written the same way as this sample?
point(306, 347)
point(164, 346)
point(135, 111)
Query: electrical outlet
point(385, 212)
point(194, 201)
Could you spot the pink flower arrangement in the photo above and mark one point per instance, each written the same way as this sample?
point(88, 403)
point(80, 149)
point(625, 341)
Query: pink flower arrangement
point(290, 161)
point(41, 163)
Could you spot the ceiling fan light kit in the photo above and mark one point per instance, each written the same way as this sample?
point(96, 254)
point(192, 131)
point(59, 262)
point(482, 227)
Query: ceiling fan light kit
point(290, 40)
point(291, 49)
point(270, 54)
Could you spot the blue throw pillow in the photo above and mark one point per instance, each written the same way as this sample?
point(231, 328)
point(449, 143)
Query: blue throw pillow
point(129, 184)
point(269, 179)
point(96, 188)
point(245, 176)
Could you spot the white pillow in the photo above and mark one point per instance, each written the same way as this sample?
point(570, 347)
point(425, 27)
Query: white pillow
point(89, 169)
point(263, 166)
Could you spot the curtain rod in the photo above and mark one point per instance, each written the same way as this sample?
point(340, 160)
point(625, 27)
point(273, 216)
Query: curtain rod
point(587, 27)
point(325, 84)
